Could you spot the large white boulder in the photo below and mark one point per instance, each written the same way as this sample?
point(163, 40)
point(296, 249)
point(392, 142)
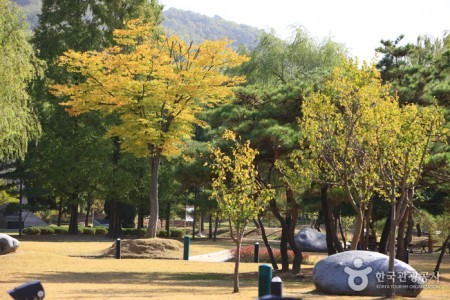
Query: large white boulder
point(8, 244)
point(364, 273)
point(310, 240)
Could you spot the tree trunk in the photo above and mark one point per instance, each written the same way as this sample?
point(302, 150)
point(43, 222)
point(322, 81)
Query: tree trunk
point(202, 223)
point(210, 230)
point(114, 220)
point(193, 223)
point(441, 256)
point(291, 223)
point(155, 163)
point(168, 220)
point(88, 213)
point(236, 263)
point(367, 227)
point(401, 239)
point(358, 228)
point(60, 210)
point(390, 281)
point(140, 222)
point(284, 236)
point(20, 205)
point(419, 230)
point(344, 241)
point(266, 243)
point(409, 230)
point(385, 234)
point(73, 223)
point(330, 229)
point(216, 226)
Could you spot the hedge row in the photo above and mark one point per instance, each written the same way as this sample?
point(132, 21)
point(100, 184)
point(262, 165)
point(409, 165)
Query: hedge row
point(175, 233)
point(41, 230)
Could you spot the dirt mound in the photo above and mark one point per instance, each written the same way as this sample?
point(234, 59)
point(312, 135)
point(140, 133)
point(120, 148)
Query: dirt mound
point(147, 248)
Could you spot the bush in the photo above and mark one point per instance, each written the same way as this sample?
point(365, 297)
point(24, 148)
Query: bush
point(177, 233)
point(247, 253)
point(162, 233)
point(80, 229)
point(127, 231)
point(89, 231)
point(101, 230)
point(31, 230)
point(47, 230)
point(139, 232)
point(61, 230)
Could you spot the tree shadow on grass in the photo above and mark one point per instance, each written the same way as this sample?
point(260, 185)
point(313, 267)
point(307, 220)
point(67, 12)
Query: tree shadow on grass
point(57, 238)
point(162, 282)
point(189, 279)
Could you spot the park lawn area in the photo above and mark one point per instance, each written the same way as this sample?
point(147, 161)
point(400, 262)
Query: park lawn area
point(58, 263)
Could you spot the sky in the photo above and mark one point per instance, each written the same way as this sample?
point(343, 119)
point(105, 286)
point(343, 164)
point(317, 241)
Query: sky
point(358, 24)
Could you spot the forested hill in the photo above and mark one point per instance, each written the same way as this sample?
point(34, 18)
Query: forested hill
point(195, 27)
point(188, 25)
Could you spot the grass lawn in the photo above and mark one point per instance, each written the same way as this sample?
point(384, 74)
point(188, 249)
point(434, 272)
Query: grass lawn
point(56, 262)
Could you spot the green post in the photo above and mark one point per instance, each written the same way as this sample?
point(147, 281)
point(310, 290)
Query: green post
point(264, 280)
point(186, 248)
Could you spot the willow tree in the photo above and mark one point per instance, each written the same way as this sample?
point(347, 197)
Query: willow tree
point(18, 64)
point(239, 193)
point(157, 85)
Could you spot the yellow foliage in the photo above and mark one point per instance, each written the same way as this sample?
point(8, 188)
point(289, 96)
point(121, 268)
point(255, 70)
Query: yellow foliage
point(158, 85)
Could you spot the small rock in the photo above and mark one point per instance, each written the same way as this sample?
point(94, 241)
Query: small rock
point(310, 240)
point(364, 273)
point(8, 244)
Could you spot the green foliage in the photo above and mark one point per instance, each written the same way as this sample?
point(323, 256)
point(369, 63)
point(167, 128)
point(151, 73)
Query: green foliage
point(241, 197)
point(18, 67)
point(162, 233)
point(47, 230)
point(60, 230)
point(177, 233)
point(31, 230)
point(89, 231)
point(101, 230)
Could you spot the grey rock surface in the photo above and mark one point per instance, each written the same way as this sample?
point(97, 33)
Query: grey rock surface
point(364, 273)
point(310, 240)
point(8, 244)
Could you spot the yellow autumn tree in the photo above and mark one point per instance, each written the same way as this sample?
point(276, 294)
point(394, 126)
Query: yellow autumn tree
point(239, 193)
point(337, 129)
point(157, 85)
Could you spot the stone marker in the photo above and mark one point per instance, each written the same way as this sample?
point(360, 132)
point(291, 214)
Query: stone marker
point(8, 244)
point(310, 240)
point(364, 273)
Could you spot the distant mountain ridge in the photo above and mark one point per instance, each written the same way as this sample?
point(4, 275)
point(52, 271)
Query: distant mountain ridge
point(189, 26)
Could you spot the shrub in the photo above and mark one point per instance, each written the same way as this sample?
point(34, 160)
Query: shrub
point(139, 232)
point(177, 233)
point(247, 253)
point(80, 229)
point(47, 230)
point(162, 233)
point(89, 231)
point(101, 230)
point(127, 231)
point(31, 230)
point(61, 230)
